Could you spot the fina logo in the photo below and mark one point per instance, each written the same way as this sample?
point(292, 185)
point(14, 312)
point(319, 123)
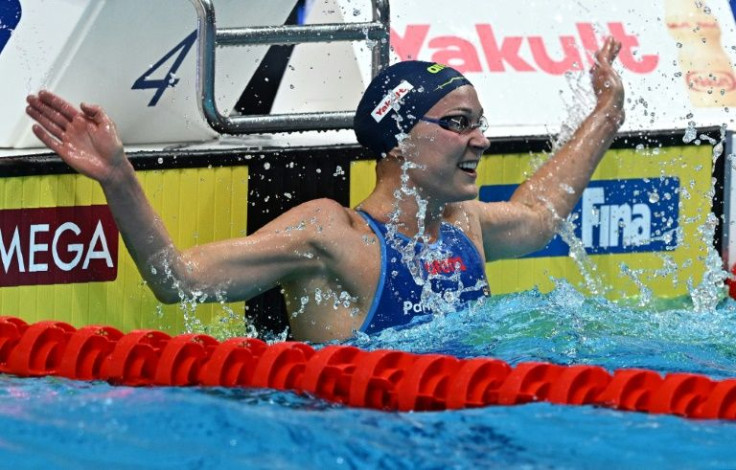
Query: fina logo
point(9, 18)
point(616, 216)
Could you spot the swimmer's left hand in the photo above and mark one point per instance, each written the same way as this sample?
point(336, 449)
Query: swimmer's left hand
point(607, 85)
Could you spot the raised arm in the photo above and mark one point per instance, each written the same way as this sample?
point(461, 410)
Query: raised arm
point(529, 220)
point(86, 139)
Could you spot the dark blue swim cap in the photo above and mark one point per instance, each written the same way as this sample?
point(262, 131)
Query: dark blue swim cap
point(396, 99)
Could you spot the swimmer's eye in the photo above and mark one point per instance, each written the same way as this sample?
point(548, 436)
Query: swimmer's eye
point(458, 123)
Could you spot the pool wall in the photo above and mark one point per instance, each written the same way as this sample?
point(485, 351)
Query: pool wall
point(58, 268)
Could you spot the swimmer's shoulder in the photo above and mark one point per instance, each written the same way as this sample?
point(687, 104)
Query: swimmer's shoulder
point(328, 217)
point(336, 233)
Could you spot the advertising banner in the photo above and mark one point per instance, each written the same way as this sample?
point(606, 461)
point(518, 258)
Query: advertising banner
point(61, 256)
point(637, 231)
point(529, 59)
point(57, 245)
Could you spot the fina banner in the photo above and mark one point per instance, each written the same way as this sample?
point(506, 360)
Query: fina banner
point(640, 221)
point(616, 216)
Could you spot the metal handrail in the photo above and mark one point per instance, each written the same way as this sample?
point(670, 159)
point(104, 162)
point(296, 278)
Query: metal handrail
point(377, 32)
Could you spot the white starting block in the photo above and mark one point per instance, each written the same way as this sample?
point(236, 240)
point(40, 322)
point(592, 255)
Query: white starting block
point(136, 58)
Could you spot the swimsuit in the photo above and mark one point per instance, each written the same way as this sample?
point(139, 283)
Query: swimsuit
point(418, 279)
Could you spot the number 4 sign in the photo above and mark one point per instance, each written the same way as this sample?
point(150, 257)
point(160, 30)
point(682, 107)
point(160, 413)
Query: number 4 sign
point(144, 82)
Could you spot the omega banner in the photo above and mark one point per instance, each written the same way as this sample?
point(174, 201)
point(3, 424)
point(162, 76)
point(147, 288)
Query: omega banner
point(57, 245)
point(62, 258)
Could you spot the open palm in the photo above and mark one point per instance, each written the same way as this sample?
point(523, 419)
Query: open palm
point(607, 83)
point(85, 138)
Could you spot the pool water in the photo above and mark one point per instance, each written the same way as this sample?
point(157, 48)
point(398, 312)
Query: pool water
point(57, 423)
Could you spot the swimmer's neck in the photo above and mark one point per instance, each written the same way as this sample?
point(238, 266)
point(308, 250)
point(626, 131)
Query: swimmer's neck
point(405, 210)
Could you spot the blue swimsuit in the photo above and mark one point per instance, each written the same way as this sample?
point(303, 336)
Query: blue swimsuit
point(444, 276)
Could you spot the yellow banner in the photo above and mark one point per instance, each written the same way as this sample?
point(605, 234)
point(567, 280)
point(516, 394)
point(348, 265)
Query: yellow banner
point(197, 205)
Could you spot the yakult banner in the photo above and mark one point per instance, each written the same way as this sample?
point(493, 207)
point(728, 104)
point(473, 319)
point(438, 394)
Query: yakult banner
point(525, 57)
point(529, 59)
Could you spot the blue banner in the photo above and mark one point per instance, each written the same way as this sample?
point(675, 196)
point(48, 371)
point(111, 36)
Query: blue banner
point(616, 216)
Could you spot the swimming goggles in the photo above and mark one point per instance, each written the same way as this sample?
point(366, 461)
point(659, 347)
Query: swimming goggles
point(458, 123)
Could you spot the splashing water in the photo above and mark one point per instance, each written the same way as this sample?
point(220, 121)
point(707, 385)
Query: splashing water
point(690, 133)
point(566, 326)
point(585, 264)
point(226, 324)
point(710, 291)
point(580, 106)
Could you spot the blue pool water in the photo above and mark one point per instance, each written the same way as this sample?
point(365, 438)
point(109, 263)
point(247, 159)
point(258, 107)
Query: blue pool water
point(56, 423)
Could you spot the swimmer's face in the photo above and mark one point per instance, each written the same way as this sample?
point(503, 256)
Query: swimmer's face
point(448, 158)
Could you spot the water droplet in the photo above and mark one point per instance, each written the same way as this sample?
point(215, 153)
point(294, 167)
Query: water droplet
point(690, 133)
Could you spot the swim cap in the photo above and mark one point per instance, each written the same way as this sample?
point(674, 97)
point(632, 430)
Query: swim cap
point(396, 99)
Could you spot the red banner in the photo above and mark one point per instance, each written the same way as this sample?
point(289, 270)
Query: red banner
point(58, 245)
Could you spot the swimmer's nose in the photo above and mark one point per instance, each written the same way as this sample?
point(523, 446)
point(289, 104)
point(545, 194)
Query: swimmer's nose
point(480, 140)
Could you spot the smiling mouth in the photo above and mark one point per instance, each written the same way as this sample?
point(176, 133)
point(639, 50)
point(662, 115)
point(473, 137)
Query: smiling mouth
point(469, 166)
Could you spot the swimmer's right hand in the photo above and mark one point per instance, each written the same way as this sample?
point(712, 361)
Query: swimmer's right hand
point(85, 138)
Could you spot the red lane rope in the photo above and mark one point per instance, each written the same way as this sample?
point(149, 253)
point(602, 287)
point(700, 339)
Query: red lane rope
point(385, 380)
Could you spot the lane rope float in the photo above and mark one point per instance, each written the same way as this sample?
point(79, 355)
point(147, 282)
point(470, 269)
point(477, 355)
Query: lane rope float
point(382, 379)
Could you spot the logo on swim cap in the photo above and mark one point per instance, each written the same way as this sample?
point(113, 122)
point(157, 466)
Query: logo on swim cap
point(391, 101)
point(435, 68)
